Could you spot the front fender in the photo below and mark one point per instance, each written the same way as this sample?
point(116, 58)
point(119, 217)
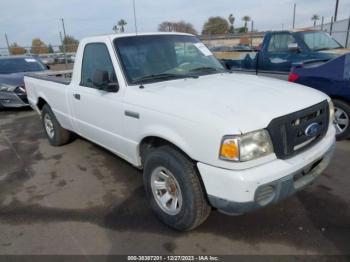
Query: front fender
point(169, 135)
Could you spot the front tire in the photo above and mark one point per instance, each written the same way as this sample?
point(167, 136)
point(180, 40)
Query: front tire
point(342, 119)
point(55, 133)
point(174, 189)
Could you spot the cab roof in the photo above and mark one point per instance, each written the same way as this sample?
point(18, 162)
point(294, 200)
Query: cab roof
point(120, 35)
point(296, 30)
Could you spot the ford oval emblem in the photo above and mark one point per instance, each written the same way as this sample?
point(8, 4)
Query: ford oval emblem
point(312, 129)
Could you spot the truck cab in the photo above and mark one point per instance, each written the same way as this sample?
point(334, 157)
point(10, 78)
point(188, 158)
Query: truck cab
point(281, 49)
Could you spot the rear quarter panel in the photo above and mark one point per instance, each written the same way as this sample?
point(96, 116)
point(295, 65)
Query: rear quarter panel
point(55, 96)
point(332, 77)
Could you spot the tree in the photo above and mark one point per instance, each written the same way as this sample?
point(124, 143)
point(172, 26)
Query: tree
point(121, 24)
point(17, 50)
point(38, 47)
point(70, 43)
point(50, 49)
point(315, 18)
point(166, 26)
point(115, 29)
point(180, 26)
point(231, 20)
point(240, 29)
point(215, 25)
point(246, 19)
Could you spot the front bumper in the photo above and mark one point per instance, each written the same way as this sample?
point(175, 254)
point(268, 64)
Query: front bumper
point(12, 99)
point(237, 192)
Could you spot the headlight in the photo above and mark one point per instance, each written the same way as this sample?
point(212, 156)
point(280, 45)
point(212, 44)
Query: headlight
point(331, 112)
point(246, 147)
point(7, 88)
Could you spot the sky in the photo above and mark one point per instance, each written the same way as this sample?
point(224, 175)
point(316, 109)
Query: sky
point(23, 20)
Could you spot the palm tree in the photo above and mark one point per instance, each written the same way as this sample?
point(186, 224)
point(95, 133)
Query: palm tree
point(121, 24)
point(246, 19)
point(231, 20)
point(115, 29)
point(315, 18)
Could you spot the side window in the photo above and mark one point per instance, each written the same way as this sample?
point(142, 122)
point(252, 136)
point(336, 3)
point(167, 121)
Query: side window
point(96, 57)
point(280, 42)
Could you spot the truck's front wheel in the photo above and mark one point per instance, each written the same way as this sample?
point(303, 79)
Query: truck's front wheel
point(342, 119)
point(55, 133)
point(174, 189)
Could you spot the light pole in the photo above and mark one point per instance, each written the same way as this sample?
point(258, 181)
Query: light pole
point(295, 6)
point(134, 7)
point(8, 45)
point(63, 44)
point(336, 10)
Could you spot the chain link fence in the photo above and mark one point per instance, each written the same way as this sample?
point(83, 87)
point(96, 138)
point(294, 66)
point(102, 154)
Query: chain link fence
point(56, 54)
point(242, 40)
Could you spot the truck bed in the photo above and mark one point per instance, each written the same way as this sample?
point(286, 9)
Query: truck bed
point(61, 77)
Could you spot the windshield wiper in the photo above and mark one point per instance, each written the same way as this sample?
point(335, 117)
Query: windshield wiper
point(163, 76)
point(209, 69)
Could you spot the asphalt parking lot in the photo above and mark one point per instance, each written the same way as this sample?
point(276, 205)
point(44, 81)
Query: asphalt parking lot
point(81, 199)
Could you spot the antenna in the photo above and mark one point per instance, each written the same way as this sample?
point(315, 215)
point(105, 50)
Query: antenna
point(134, 7)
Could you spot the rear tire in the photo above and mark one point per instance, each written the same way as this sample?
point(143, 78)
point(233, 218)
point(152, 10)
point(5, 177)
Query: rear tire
point(56, 134)
point(342, 119)
point(181, 181)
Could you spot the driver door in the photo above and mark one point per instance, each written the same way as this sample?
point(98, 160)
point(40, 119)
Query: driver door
point(98, 113)
point(276, 56)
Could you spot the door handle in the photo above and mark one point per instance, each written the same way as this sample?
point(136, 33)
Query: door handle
point(76, 96)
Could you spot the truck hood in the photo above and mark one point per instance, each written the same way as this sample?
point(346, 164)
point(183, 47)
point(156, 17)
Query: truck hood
point(12, 79)
point(240, 101)
point(17, 79)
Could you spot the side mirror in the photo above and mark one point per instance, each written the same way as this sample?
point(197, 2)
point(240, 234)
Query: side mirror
point(48, 67)
point(293, 47)
point(101, 81)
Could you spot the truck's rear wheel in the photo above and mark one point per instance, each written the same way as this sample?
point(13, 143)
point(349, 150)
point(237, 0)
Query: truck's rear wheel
point(174, 189)
point(342, 119)
point(56, 134)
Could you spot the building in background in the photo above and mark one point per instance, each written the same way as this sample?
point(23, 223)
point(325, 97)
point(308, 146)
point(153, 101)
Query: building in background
point(340, 31)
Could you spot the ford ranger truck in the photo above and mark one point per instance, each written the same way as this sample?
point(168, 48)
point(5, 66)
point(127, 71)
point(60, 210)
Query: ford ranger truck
point(204, 137)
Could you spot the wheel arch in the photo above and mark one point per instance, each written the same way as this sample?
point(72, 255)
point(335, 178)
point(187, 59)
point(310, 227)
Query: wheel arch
point(150, 142)
point(341, 98)
point(41, 102)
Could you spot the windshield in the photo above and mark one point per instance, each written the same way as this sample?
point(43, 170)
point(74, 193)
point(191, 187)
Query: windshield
point(154, 58)
point(17, 65)
point(318, 41)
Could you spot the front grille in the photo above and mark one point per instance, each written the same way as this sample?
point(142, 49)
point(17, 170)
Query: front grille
point(288, 133)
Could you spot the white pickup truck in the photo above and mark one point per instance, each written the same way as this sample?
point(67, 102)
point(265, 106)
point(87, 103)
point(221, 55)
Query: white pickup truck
point(205, 137)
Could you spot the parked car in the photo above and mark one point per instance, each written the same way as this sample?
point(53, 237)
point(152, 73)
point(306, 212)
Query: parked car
point(333, 78)
point(242, 48)
point(71, 58)
point(281, 49)
point(61, 59)
point(203, 136)
point(47, 60)
point(12, 70)
point(221, 49)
